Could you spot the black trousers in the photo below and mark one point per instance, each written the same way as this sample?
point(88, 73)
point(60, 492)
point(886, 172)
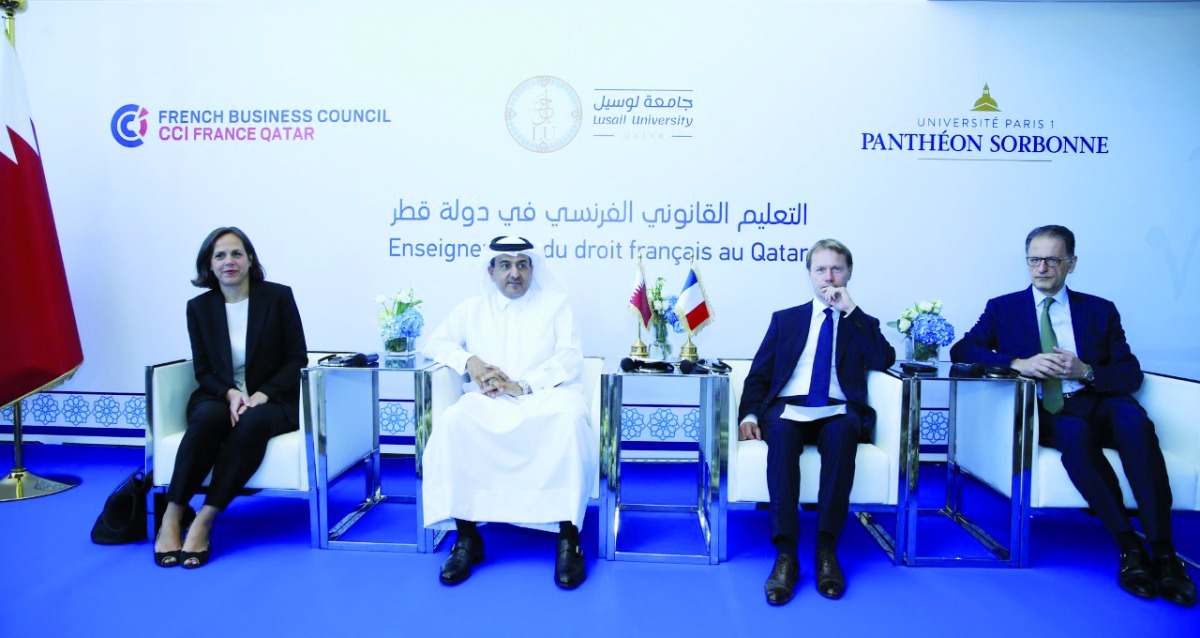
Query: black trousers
point(837, 440)
point(1087, 424)
point(231, 453)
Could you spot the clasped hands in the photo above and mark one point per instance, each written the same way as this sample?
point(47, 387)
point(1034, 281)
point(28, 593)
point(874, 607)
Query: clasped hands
point(239, 402)
point(491, 380)
point(1060, 364)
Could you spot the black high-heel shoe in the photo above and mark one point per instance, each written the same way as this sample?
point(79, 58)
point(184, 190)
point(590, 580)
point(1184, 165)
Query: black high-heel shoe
point(164, 559)
point(167, 559)
point(200, 558)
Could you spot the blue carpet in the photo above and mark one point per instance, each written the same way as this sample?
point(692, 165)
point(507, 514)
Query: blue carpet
point(265, 580)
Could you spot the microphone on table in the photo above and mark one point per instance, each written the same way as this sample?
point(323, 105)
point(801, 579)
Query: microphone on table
point(703, 366)
point(634, 365)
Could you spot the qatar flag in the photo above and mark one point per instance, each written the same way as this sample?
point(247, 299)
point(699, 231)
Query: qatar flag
point(639, 301)
point(39, 341)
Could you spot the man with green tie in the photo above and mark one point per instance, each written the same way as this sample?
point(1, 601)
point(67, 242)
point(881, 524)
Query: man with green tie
point(1073, 344)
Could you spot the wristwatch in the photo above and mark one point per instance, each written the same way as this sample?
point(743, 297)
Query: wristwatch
point(525, 389)
point(1089, 375)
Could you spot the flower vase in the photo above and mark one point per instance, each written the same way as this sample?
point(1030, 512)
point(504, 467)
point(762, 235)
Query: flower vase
point(920, 351)
point(661, 348)
point(396, 350)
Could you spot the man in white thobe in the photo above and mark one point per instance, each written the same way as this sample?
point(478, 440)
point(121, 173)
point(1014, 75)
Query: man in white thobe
point(517, 447)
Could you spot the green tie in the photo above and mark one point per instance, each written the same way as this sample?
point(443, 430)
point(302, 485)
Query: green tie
point(1052, 398)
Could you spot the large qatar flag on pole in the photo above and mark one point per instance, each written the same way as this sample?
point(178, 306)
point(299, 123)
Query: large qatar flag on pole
point(39, 341)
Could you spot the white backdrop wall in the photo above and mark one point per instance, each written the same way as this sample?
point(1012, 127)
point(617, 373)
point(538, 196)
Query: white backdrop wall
point(855, 118)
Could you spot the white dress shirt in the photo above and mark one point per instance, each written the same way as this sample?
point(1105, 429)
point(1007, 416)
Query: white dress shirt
point(1064, 332)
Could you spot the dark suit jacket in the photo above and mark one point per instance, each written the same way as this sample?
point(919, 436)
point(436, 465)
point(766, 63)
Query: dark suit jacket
point(860, 347)
point(275, 347)
point(1008, 330)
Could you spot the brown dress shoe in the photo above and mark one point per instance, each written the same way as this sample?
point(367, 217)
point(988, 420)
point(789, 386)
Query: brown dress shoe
point(782, 581)
point(830, 581)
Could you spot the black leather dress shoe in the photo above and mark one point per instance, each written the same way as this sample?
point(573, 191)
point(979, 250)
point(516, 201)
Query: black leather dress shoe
point(1134, 575)
point(782, 581)
point(467, 551)
point(570, 569)
point(1174, 584)
point(830, 581)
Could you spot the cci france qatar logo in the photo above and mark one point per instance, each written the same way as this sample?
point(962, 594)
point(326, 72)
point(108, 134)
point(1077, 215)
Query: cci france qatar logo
point(129, 125)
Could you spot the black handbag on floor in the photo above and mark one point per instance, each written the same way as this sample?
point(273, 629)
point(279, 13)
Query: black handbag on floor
point(123, 519)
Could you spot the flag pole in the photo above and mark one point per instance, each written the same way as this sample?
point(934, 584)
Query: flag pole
point(12, 7)
point(21, 484)
point(688, 352)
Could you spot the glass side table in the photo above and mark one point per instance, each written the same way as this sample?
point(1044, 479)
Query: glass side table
point(342, 432)
point(1009, 451)
point(714, 417)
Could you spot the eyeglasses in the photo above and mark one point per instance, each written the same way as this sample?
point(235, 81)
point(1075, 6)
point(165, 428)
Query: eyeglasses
point(1052, 262)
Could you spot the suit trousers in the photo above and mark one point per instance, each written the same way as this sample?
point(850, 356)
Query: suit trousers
point(232, 453)
point(836, 439)
point(1090, 422)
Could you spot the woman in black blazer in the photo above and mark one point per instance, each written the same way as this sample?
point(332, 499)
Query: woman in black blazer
point(248, 349)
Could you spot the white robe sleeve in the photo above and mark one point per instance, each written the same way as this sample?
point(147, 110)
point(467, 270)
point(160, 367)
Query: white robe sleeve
point(445, 345)
point(566, 364)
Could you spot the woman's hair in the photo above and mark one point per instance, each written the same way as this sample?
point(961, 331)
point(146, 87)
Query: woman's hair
point(204, 274)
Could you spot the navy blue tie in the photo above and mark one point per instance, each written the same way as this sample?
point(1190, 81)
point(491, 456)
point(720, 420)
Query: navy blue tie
point(818, 387)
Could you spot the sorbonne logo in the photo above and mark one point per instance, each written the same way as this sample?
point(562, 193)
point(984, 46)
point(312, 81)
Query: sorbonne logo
point(129, 125)
point(986, 102)
point(543, 114)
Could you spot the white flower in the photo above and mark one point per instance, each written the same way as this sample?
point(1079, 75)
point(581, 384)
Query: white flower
point(937, 307)
point(925, 307)
point(904, 325)
point(381, 299)
point(909, 314)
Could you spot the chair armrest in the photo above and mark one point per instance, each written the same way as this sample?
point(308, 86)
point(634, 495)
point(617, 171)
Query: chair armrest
point(739, 368)
point(1173, 404)
point(444, 386)
point(169, 386)
point(593, 367)
point(885, 395)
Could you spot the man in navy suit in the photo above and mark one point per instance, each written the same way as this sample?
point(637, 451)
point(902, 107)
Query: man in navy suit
point(814, 355)
point(1074, 345)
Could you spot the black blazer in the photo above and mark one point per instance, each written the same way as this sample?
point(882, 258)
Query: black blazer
point(860, 347)
point(275, 347)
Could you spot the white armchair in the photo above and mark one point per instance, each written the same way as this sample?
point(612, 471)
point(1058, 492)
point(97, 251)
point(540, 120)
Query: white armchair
point(984, 449)
point(446, 388)
point(284, 467)
point(877, 464)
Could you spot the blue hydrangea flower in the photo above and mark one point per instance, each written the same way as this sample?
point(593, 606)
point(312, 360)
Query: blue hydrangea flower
point(670, 316)
point(410, 323)
point(932, 329)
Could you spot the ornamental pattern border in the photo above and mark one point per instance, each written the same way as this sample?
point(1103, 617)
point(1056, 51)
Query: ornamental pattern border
point(643, 423)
